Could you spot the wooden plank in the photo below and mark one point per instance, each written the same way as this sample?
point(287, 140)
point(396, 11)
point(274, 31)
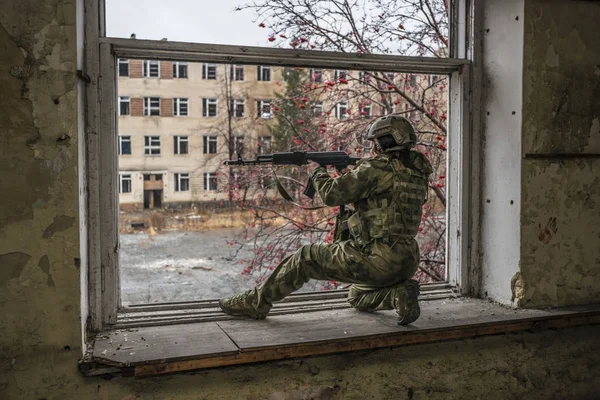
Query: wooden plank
point(356, 344)
point(157, 344)
point(183, 347)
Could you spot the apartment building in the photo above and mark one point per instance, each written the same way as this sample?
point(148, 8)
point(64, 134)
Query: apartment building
point(179, 121)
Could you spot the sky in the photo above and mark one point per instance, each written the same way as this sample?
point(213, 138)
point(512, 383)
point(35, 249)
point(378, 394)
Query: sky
point(201, 21)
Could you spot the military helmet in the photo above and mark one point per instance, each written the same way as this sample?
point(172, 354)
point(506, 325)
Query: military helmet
point(392, 132)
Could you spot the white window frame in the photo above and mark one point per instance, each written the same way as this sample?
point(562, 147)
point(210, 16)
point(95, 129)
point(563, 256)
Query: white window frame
point(235, 104)
point(318, 108)
point(178, 142)
point(208, 176)
point(122, 179)
point(341, 73)
point(234, 73)
point(341, 108)
point(101, 170)
point(261, 104)
point(206, 103)
point(238, 141)
point(316, 72)
point(147, 68)
point(177, 72)
point(152, 146)
point(122, 139)
point(206, 71)
point(150, 106)
point(368, 113)
point(124, 99)
point(264, 71)
point(123, 61)
point(178, 102)
point(207, 140)
point(179, 179)
point(262, 140)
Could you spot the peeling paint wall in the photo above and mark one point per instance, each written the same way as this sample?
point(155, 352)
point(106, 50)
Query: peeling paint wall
point(40, 327)
point(560, 220)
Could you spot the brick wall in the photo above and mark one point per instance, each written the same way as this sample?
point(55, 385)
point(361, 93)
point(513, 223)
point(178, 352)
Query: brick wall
point(166, 107)
point(166, 70)
point(137, 106)
point(135, 70)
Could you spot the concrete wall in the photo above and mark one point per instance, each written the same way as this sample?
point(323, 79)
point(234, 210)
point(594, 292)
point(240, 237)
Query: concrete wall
point(40, 327)
point(560, 220)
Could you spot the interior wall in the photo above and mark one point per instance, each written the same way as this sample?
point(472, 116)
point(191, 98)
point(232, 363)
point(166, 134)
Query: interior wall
point(501, 113)
point(40, 327)
point(560, 220)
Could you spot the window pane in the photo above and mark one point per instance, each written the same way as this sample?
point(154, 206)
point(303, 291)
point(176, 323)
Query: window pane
point(403, 27)
point(291, 112)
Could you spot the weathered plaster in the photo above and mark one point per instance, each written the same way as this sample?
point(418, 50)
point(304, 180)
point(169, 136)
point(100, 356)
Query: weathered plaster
point(560, 221)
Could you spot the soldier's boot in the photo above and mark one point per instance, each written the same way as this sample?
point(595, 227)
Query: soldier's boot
point(406, 302)
point(245, 305)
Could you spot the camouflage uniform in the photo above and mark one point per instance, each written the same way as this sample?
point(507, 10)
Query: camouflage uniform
point(379, 254)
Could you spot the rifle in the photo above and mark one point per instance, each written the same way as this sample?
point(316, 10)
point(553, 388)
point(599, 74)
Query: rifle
point(338, 159)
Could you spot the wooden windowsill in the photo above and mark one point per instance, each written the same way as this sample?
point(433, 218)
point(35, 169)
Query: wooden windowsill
point(154, 350)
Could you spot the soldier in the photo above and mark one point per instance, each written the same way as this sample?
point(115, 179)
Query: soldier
point(377, 252)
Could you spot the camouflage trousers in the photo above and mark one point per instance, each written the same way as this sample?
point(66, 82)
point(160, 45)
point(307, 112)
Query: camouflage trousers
point(375, 271)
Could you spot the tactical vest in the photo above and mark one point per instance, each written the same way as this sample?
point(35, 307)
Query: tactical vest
point(395, 214)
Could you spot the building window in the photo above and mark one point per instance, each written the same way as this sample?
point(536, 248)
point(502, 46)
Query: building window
point(182, 144)
point(341, 110)
point(411, 80)
point(316, 75)
point(182, 182)
point(264, 73)
point(341, 74)
point(238, 144)
point(210, 181)
point(237, 72)
point(237, 108)
point(209, 71)
point(124, 105)
point(180, 69)
point(317, 108)
point(124, 183)
point(151, 69)
point(364, 77)
point(209, 107)
point(209, 144)
point(264, 145)
point(180, 107)
point(152, 145)
point(365, 111)
point(264, 109)
point(152, 106)
point(389, 75)
point(123, 67)
point(124, 145)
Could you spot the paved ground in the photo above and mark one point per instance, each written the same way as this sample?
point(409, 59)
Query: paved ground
point(182, 266)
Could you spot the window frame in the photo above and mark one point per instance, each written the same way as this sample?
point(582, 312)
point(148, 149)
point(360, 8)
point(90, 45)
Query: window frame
point(260, 104)
point(179, 177)
point(234, 107)
point(120, 147)
point(147, 70)
point(177, 72)
point(206, 103)
point(262, 71)
point(338, 106)
point(206, 68)
point(123, 61)
point(207, 141)
point(177, 103)
point(123, 177)
point(149, 146)
point(102, 168)
point(234, 69)
point(148, 107)
point(262, 140)
point(128, 101)
point(209, 177)
point(178, 140)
